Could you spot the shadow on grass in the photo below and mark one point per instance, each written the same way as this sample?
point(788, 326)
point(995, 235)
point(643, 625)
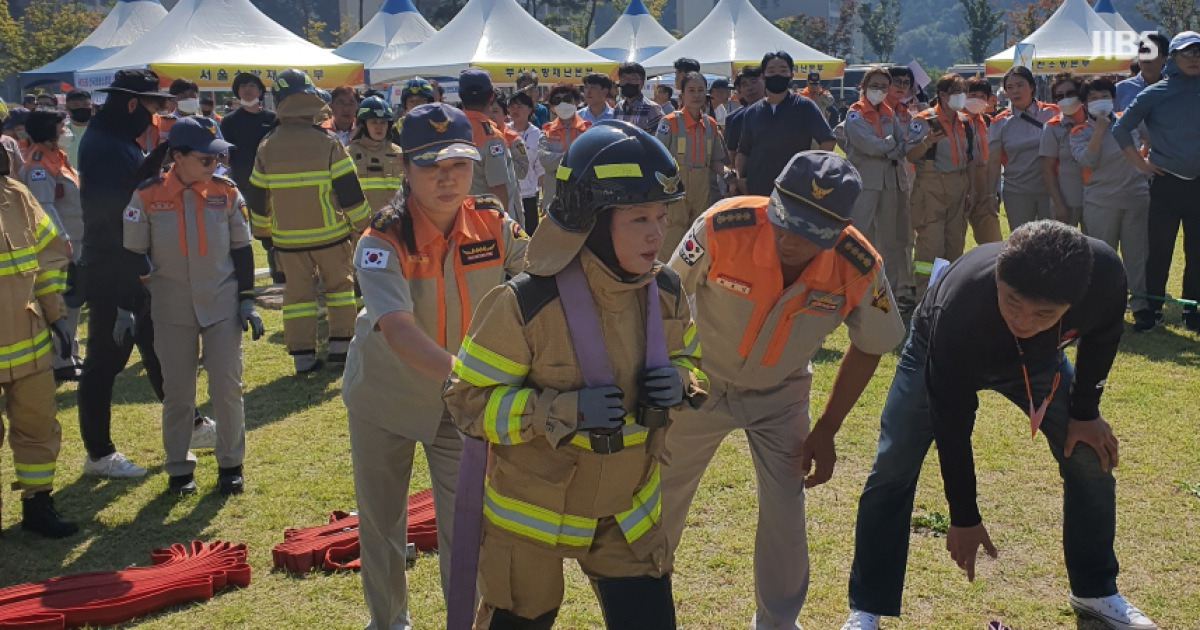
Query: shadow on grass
point(132, 387)
point(1163, 344)
point(290, 394)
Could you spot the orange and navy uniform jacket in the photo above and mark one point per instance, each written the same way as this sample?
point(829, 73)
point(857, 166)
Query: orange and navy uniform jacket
point(440, 282)
point(758, 335)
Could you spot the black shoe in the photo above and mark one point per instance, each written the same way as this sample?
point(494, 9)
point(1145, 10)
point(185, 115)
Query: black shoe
point(229, 481)
point(1146, 319)
point(336, 357)
point(1191, 320)
point(40, 517)
point(67, 373)
point(182, 485)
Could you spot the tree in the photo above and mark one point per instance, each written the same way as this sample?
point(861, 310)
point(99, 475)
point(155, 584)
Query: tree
point(819, 33)
point(984, 24)
point(1029, 17)
point(878, 25)
point(655, 7)
point(841, 43)
point(47, 30)
point(580, 22)
point(1174, 16)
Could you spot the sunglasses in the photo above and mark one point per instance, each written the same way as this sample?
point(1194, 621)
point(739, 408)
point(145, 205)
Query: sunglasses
point(556, 100)
point(208, 160)
point(1058, 96)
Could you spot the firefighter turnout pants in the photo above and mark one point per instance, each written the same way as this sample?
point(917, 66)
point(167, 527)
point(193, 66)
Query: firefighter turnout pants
point(33, 430)
point(697, 197)
point(939, 220)
point(333, 265)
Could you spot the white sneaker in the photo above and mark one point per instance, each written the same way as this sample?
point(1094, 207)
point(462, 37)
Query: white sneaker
point(205, 434)
point(859, 620)
point(114, 466)
point(1114, 611)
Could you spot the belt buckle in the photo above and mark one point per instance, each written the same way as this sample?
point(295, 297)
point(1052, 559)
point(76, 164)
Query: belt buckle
point(653, 417)
point(606, 443)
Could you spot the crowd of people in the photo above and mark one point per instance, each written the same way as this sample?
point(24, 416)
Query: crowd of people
point(539, 270)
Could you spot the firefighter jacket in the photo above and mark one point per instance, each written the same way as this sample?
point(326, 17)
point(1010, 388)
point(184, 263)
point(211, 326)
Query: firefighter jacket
point(303, 191)
point(379, 170)
point(33, 262)
point(556, 139)
point(441, 283)
point(189, 234)
point(55, 184)
point(695, 144)
point(515, 384)
point(874, 145)
point(759, 336)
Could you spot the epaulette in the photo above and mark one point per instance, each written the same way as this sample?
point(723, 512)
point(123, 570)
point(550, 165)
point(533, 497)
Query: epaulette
point(669, 281)
point(533, 293)
point(489, 202)
point(857, 253)
point(1004, 113)
point(733, 218)
point(382, 220)
point(150, 182)
point(36, 156)
point(224, 180)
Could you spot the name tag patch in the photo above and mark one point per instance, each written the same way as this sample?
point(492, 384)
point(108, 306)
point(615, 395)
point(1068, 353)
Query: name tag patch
point(822, 302)
point(374, 258)
point(474, 253)
point(162, 205)
point(734, 285)
point(216, 201)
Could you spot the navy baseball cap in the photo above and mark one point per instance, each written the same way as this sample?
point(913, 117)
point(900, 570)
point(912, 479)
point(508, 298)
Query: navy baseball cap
point(814, 76)
point(474, 82)
point(719, 84)
point(434, 132)
point(814, 196)
point(196, 133)
point(1183, 40)
point(16, 118)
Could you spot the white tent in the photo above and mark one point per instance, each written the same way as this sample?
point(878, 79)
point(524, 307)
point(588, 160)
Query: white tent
point(735, 34)
point(635, 36)
point(397, 28)
point(500, 37)
point(126, 22)
point(1108, 13)
point(210, 41)
point(1075, 38)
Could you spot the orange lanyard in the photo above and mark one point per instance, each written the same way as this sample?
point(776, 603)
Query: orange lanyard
point(1036, 416)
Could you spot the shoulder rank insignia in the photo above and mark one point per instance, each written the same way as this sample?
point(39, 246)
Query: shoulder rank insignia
point(858, 255)
point(732, 218)
point(150, 182)
point(383, 219)
point(224, 180)
point(489, 202)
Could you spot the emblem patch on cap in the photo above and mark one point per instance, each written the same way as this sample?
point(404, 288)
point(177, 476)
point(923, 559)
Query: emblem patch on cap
point(670, 183)
point(690, 250)
point(819, 193)
point(374, 258)
point(737, 217)
point(439, 127)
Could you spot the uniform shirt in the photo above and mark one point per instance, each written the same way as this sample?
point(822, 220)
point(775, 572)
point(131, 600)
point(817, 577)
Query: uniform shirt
point(493, 170)
point(556, 139)
point(441, 283)
point(640, 112)
point(873, 139)
point(1110, 181)
point(1055, 144)
point(1168, 109)
point(245, 130)
point(608, 114)
point(951, 154)
point(759, 336)
point(970, 349)
point(1127, 90)
point(733, 128)
point(532, 139)
point(1017, 140)
point(188, 233)
point(771, 135)
point(55, 184)
point(694, 143)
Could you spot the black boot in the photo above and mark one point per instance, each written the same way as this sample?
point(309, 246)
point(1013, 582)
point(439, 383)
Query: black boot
point(229, 480)
point(40, 517)
point(638, 603)
point(505, 620)
point(182, 485)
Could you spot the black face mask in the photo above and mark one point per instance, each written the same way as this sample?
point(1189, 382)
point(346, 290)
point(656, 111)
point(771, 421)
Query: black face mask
point(81, 114)
point(630, 90)
point(777, 83)
point(138, 121)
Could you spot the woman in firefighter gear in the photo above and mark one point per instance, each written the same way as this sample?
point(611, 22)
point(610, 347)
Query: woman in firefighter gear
point(376, 158)
point(33, 262)
point(307, 204)
point(54, 182)
point(696, 142)
point(424, 264)
point(576, 413)
point(186, 230)
point(771, 278)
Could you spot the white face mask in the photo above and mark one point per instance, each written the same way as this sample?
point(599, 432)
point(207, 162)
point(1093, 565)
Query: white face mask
point(1100, 109)
point(1070, 105)
point(876, 97)
point(250, 103)
point(957, 101)
point(188, 105)
point(976, 105)
point(564, 110)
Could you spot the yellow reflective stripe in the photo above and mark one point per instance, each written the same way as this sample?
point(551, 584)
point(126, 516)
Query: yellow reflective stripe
point(49, 281)
point(290, 180)
point(483, 367)
point(44, 233)
point(34, 474)
point(605, 171)
point(646, 510)
point(536, 522)
point(341, 167)
point(258, 179)
point(305, 237)
point(921, 266)
point(328, 214)
point(691, 342)
point(563, 173)
point(18, 261)
point(300, 309)
point(632, 434)
point(359, 213)
point(377, 183)
point(341, 298)
point(502, 415)
point(25, 351)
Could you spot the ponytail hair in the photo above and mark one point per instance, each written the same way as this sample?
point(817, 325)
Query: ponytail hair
point(154, 163)
point(399, 203)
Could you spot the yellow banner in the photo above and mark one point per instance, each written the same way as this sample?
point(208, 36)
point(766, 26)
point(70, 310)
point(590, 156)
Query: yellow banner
point(1054, 65)
point(547, 72)
point(221, 76)
point(831, 69)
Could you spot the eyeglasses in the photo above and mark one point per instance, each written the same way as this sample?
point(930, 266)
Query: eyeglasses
point(904, 83)
point(1058, 96)
point(1192, 52)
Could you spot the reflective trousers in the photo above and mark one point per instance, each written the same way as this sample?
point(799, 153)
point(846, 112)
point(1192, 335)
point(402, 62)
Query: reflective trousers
point(334, 266)
point(33, 431)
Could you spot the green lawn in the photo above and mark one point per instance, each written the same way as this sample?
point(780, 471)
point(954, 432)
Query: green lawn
point(298, 470)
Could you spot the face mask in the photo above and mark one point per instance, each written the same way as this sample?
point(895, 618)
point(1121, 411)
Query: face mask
point(777, 83)
point(188, 105)
point(81, 114)
point(1100, 108)
point(630, 90)
point(976, 105)
point(876, 97)
point(139, 120)
point(564, 110)
point(1070, 105)
point(250, 103)
point(957, 101)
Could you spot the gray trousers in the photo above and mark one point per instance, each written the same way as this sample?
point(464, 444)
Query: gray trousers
point(383, 463)
point(780, 541)
point(1023, 208)
point(882, 216)
point(178, 349)
point(1126, 230)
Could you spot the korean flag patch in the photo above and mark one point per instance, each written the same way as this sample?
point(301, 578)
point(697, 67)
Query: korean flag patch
point(664, 128)
point(374, 258)
point(853, 115)
point(37, 175)
point(496, 150)
point(690, 250)
point(916, 126)
point(133, 215)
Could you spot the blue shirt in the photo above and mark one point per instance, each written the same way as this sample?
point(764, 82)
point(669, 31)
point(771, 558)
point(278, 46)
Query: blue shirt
point(1126, 90)
point(1168, 109)
point(607, 114)
point(733, 128)
point(541, 115)
point(771, 136)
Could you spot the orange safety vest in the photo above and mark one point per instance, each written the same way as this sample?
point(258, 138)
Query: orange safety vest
point(559, 138)
point(956, 131)
point(873, 115)
point(693, 145)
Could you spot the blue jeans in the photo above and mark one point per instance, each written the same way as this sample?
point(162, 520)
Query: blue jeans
point(906, 431)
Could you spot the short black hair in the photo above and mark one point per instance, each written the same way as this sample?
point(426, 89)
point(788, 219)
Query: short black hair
point(1159, 40)
point(693, 76)
point(502, 101)
point(476, 98)
point(1098, 84)
point(687, 64)
point(42, 124)
point(901, 71)
point(779, 54)
point(595, 78)
point(76, 95)
point(179, 86)
point(565, 89)
point(522, 98)
point(979, 84)
point(631, 67)
point(207, 100)
point(1046, 261)
point(666, 88)
point(746, 73)
point(1021, 72)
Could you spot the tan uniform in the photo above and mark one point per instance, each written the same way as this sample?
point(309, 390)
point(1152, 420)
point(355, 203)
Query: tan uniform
point(1055, 144)
point(874, 145)
point(759, 338)
point(493, 152)
point(379, 170)
point(697, 146)
point(556, 139)
point(188, 233)
point(940, 192)
point(312, 205)
point(1015, 138)
point(32, 268)
point(55, 184)
point(440, 283)
point(982, 214)
point(548, 496)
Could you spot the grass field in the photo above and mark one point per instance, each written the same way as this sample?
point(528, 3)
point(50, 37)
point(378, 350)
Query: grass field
point(298, 470)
